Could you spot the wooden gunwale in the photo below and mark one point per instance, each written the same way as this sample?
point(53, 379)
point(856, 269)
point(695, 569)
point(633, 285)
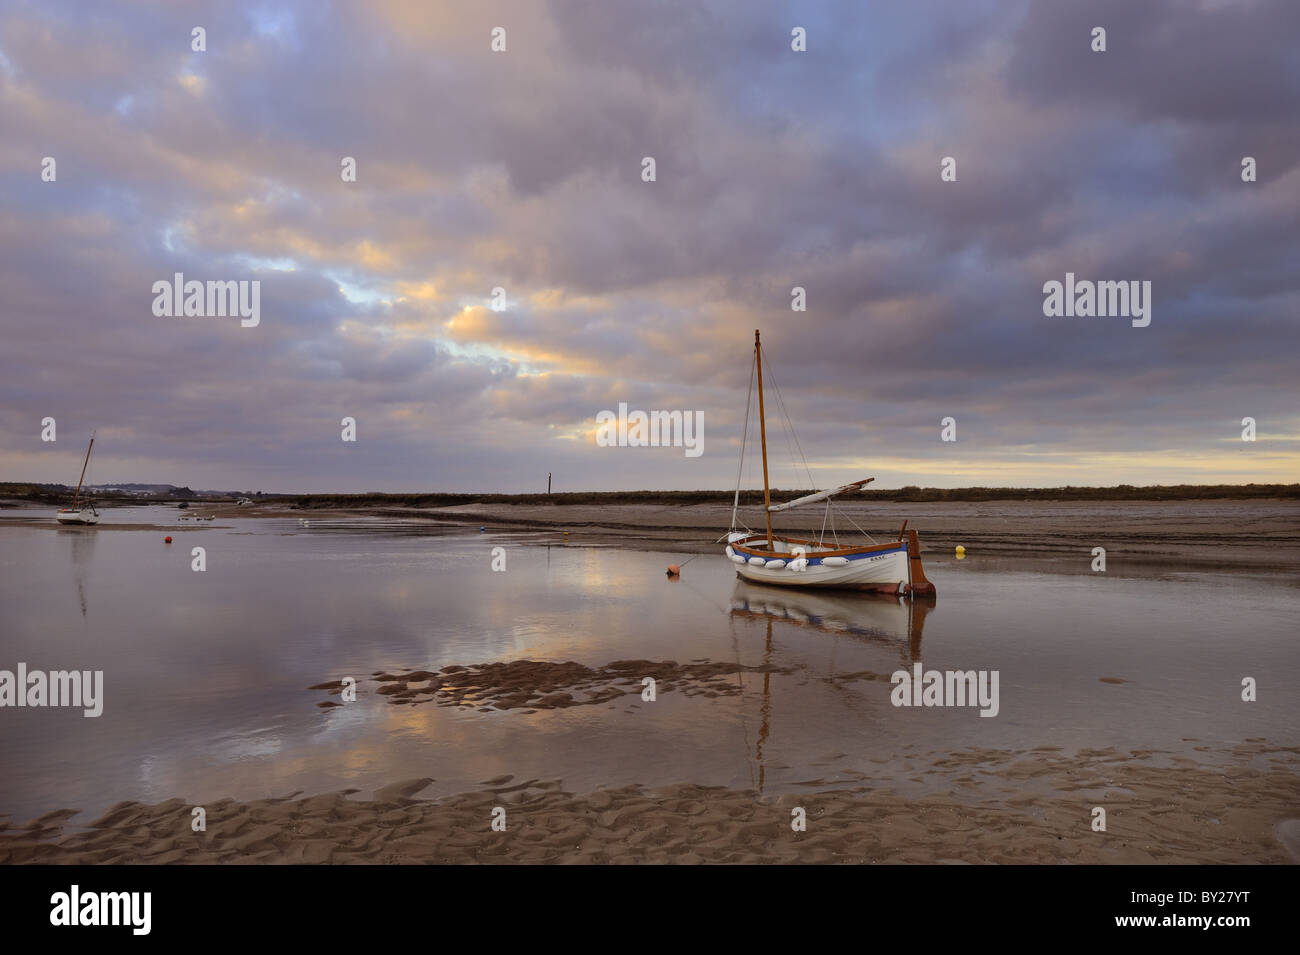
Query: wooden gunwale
point(813, 548)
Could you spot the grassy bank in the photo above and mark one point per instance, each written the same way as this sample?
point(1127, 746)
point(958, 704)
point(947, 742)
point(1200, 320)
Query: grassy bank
point(52, 493)
point(1122, 492)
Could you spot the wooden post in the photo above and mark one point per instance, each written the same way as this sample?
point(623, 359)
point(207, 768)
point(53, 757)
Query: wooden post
point(762, 431)
point(548, 482)
point(920, 585)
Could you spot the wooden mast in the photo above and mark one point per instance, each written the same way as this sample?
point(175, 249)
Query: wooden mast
point(83, 471)
point(762, 431)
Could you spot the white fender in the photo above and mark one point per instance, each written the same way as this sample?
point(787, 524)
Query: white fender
point(774, 564)
point(758, 561)
point(799, 563)
point(835, 561)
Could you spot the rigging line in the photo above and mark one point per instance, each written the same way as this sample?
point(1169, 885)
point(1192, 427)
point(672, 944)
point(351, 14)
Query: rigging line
point(744, 438)
point(781, 402)
point(789, 430)
point(789, 433)
point(846, 516)
point(709, 600)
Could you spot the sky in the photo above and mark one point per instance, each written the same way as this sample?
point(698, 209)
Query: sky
point(522, 169)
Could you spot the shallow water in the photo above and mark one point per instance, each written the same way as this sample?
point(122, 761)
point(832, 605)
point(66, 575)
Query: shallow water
point(206, 674)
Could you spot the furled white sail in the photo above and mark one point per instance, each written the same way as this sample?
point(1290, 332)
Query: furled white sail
point(819, 496)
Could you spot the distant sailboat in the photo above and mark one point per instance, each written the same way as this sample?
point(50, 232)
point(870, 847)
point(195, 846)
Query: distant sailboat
point(894, 567)
point(81, 512)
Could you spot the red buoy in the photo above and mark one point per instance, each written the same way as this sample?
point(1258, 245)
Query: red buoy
point(673, 570)
point(167, 540)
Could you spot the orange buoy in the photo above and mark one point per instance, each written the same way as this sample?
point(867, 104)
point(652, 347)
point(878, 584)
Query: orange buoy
point(167, 540)
point(673, 570)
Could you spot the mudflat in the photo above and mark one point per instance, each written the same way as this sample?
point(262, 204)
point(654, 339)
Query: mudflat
point(1041, 810)
point(537, 674)
point(1224, 534)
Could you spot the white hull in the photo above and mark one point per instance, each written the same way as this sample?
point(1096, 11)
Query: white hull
point(883, 572)
point(83, 516)
point(879, 570)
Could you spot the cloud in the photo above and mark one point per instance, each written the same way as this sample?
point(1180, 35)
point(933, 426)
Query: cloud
point(521, 170)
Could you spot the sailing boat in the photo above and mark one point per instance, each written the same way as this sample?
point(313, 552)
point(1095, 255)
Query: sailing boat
point(85, 513)
point(893, 567)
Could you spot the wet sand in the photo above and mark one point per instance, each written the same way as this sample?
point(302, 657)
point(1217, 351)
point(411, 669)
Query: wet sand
point(1211, 534)
point(1000, 806)
point(1139, 536)
point(1155, 814)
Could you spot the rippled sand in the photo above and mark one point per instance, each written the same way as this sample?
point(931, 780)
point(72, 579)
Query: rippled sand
point(1154, 814)
point(540, 685)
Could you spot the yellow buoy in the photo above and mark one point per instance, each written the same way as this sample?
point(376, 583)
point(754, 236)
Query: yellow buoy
point(961, 552)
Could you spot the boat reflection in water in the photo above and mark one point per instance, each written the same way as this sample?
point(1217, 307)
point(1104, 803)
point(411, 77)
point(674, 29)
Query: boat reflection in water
point(880, 618)
point(889, 621)
point(83, 552)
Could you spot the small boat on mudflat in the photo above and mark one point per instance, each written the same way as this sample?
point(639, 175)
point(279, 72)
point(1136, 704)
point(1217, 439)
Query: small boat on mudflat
point(81, 512)
point(893, 567)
